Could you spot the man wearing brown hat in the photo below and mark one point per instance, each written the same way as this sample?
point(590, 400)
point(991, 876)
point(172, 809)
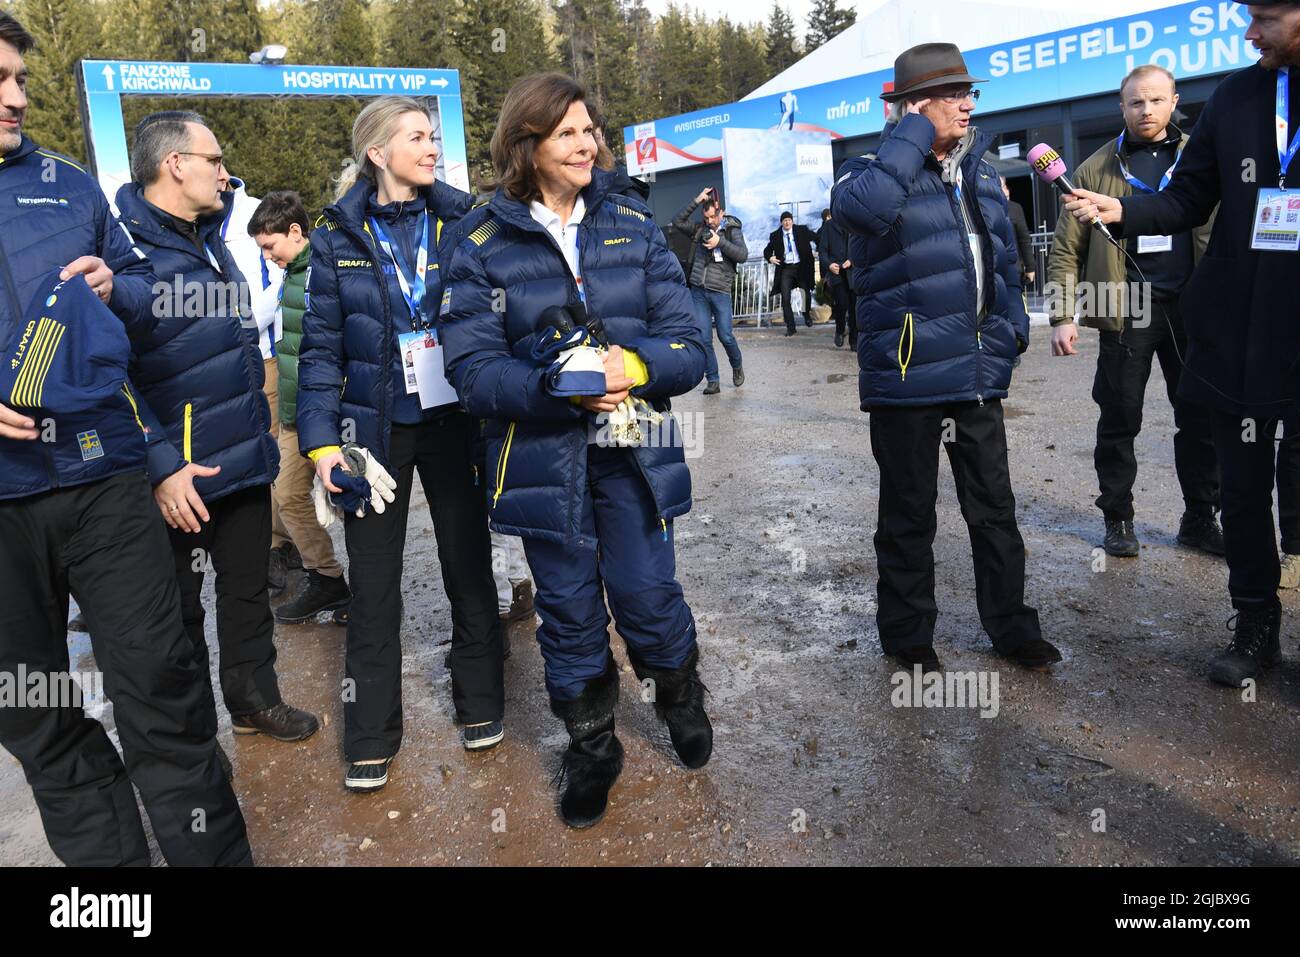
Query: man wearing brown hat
point(941, 320)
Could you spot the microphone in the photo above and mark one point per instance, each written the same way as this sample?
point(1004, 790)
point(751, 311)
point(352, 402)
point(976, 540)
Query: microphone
point(558, 318)
point(1050, 168)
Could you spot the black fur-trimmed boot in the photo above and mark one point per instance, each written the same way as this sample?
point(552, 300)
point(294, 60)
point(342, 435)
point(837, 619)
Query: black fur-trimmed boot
point(679, 702)
point(594, 757)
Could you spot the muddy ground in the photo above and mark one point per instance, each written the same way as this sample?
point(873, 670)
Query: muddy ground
point(812, 763)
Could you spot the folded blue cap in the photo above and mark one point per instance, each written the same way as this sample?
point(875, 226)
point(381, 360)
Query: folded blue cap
point(68, 353)
point(355, 494)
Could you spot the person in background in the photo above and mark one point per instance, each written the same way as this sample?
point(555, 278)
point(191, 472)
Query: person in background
point(1024, 241)
point(717, 248)
point(833, 253)
point(279, 226)
point(264, 279)
point(789, 249)
point(1144, 325)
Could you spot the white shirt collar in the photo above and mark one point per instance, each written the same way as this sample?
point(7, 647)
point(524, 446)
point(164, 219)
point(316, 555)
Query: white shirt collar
point(551, 219)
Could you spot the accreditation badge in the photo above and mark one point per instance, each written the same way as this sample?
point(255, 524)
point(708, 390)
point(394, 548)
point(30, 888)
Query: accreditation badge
point(1276, 226)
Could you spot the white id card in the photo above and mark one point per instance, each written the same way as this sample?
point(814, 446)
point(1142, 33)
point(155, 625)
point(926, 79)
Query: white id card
point(422, 367)
point(1276, 226)
point(1155, 244)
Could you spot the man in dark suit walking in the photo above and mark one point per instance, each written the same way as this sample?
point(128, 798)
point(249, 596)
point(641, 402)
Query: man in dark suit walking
point(789, 249)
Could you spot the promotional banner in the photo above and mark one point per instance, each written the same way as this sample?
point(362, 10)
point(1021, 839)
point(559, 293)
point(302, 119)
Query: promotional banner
point(103, 83)
point(766, 172)
point(1191, 39)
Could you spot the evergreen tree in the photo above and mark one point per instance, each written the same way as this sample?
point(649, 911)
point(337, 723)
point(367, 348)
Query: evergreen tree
point(780, 40)
point(825, 20)
point(65, 31)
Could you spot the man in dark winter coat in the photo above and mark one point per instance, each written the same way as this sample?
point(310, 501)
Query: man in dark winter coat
point(789, 249)
point(1239, 308)
point(76, 514)
point(833, 253)
point(211, 455)
point(941, 318)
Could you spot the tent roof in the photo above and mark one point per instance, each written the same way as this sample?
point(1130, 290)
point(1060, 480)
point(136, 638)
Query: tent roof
point(886, 28)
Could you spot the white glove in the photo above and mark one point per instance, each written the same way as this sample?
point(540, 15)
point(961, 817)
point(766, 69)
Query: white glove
point(326, 514)
point(382, 485)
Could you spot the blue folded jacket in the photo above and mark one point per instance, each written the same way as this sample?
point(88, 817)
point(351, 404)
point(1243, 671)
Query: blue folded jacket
point(68, 353)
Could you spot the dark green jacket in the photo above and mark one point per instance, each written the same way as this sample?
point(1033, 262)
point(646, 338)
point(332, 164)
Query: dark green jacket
point(293, 303)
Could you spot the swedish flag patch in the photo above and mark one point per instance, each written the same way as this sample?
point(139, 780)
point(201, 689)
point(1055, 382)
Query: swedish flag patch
point(90, 445)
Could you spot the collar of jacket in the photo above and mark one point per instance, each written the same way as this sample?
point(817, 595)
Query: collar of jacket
point(973, 143)
point(300, 262)
point(518, 213)
point(352, 208)
point(25, 148)
point(159, 228)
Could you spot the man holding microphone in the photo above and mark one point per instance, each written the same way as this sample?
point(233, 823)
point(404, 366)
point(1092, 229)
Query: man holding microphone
point(1242, 320)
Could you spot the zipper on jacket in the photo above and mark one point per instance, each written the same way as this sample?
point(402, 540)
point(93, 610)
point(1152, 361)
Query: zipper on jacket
point(908, 333)
point(502, 461)
point(189, 420)
point(663, 521)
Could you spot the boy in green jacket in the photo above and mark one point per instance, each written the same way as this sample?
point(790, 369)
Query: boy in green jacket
point(280, 228)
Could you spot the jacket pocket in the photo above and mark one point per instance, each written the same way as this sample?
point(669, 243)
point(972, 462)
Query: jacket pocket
point(503, 460)
point(906, 339)
point(189, 423)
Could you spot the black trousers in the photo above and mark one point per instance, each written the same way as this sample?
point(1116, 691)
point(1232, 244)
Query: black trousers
point(844, 308)
point(104, 542)
point(1247, 459)
point(788, 280)
point(442, 452)
point(1119, 388)
point(905, 442)
point(1288, 488)
point(234, 544)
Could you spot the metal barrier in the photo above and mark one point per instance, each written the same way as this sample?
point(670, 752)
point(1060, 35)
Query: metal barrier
point(750, 295)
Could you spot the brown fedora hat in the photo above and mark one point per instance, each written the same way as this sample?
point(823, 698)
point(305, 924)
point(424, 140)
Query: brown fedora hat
point(926, 66)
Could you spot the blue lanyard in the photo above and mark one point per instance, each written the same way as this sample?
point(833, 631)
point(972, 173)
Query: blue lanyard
point(412, 290)
point(1133, 180)
point(1284, 153)
point(577, 278)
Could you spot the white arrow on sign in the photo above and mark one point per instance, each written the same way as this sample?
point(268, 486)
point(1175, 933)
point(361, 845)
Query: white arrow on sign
point(441, 81)
point(108, 75)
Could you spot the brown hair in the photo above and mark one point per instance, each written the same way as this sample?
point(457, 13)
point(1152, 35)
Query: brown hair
point(12, 32)
point(531, 110)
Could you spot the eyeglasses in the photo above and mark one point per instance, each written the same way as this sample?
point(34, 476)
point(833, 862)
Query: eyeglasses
point(216, 160)
point(959, 97)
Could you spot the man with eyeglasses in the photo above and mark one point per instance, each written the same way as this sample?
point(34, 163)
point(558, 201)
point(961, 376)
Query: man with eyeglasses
point(941, 320)
point(199, 373)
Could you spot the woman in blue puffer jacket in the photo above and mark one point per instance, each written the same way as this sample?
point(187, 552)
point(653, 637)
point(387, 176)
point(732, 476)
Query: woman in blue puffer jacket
point(372, 294)
point(593, 505)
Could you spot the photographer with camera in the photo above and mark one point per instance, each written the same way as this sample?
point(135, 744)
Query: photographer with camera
point(717, 248)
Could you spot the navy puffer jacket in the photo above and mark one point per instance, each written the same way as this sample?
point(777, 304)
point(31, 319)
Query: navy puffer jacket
point(536, 442)
point(54, 212)
point(349, 343)
point(199, 372)
point(921, 338)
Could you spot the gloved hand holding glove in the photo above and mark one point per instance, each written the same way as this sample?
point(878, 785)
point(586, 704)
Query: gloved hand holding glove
point(365, 484)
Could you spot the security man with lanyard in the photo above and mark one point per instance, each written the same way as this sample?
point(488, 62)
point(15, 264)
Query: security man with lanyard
point(1242, 305)
point(1141, 324)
